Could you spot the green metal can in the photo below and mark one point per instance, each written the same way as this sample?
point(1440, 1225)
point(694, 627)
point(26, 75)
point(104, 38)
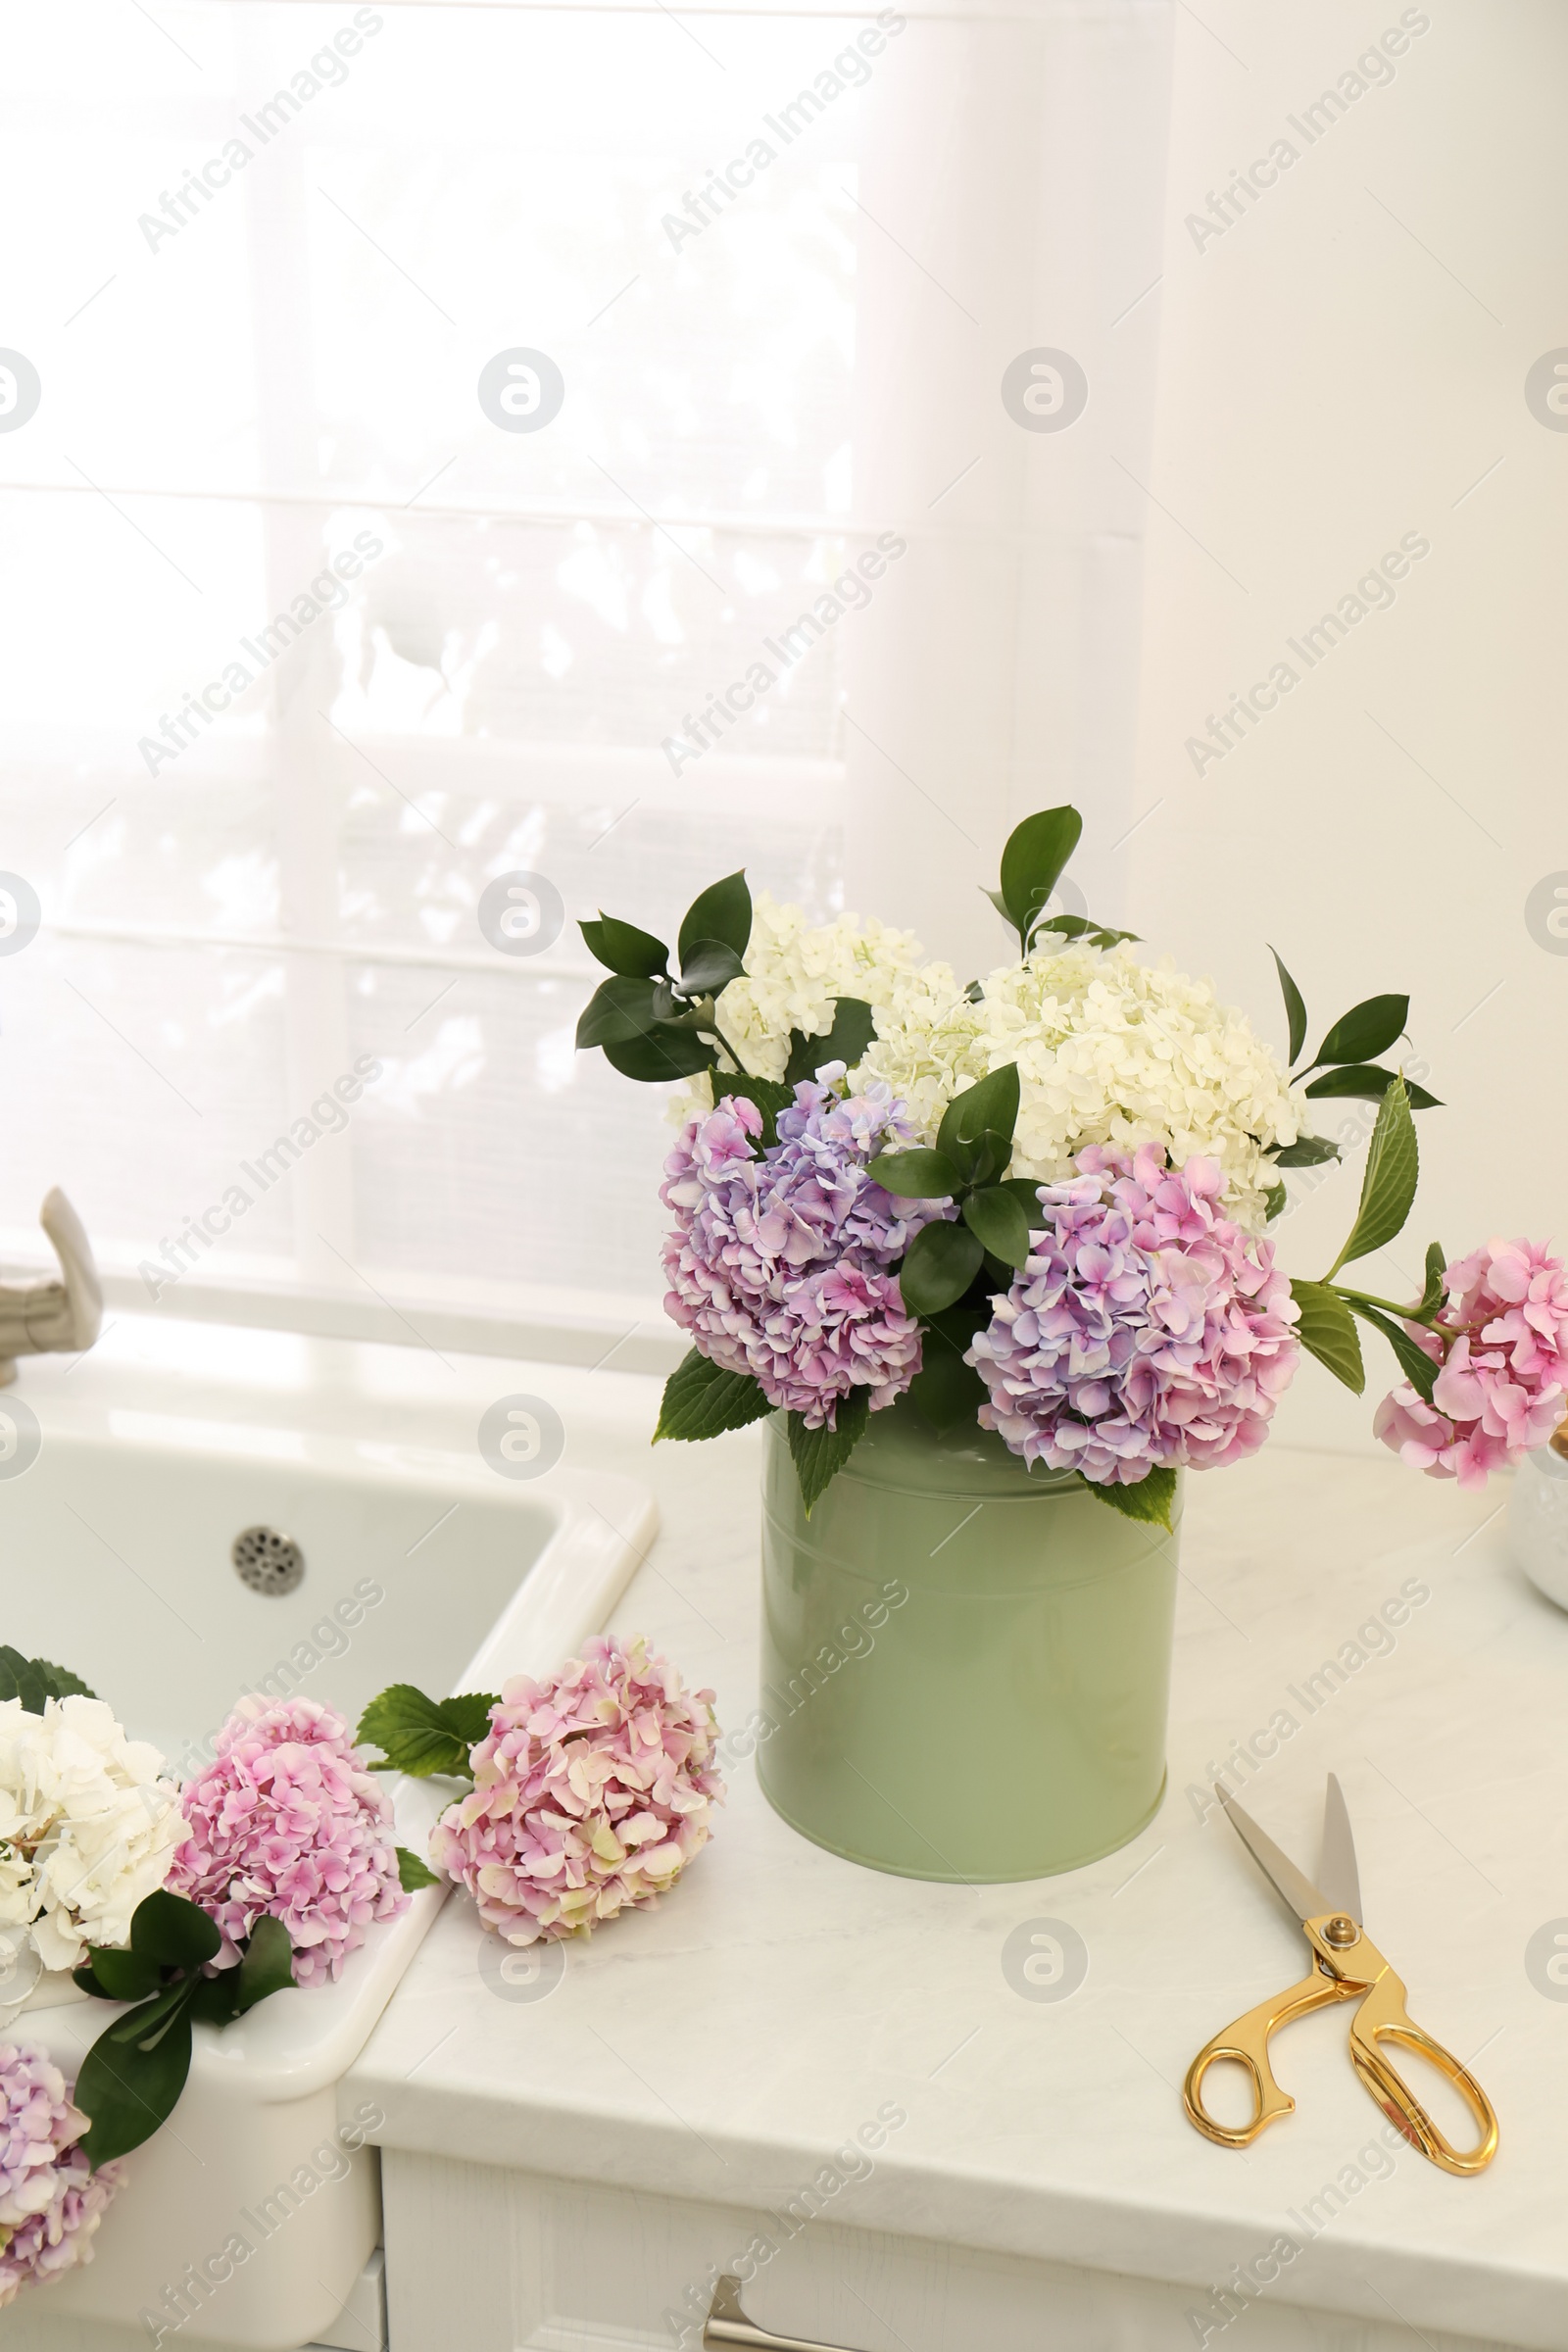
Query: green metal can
point(965, 1663)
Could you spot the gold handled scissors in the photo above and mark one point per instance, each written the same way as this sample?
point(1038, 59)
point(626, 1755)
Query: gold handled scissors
point(1346, 1966)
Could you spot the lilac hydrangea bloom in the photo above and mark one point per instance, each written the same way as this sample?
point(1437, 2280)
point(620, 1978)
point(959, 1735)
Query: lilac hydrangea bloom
point(285, 1821)
point(779, 1265)
point(51, 2201)
point(1148, 1332)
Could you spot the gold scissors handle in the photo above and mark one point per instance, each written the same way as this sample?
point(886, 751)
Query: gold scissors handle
point(1246, 2041)
point(1347, 1967)
point(1383, 2017)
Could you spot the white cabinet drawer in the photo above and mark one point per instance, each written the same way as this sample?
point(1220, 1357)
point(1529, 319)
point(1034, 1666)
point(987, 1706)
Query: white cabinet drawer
point(482, 2259)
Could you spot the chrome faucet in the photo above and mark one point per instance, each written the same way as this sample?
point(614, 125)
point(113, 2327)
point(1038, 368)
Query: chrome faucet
point(49, 1318)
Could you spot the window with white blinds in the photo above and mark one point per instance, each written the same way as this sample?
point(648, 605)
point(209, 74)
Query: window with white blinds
point(306, 644)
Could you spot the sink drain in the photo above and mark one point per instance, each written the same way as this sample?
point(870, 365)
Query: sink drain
point(266, 1561)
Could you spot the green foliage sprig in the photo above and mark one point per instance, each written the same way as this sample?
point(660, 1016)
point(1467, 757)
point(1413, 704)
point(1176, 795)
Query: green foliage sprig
point(654, 1026)
point(1032, 864)
point(131, 2078)
point(35, 1679)
point(423, 1735)
point(1346, 1065)
point(1329, 1308)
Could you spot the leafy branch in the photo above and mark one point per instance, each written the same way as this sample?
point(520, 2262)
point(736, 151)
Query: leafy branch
point(34, 1681)
point(131, 2079)
point(1329, 1308)
point(1033, 862)
point(1347, 1067)
point(425, 1736)
point(655, 1025)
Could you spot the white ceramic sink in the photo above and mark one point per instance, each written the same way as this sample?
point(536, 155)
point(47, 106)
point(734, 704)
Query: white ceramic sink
point(422, 1565)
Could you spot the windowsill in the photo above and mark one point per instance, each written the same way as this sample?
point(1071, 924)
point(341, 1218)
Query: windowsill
point(595, 1331)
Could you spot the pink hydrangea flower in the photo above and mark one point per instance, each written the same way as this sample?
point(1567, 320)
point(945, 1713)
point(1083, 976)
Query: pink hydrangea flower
point(51, 2201)
point(780, 1266)
point(1503, 1386)
point(592, 1792)
point(284, 1822)
point(1147, 1332)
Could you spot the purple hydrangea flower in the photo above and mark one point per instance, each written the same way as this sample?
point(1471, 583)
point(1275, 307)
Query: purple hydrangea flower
point(51, 2201)
point(1147, 1332)
point(780, 1266)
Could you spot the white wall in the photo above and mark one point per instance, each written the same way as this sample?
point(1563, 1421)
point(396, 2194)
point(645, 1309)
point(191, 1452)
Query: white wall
point(1339, 368)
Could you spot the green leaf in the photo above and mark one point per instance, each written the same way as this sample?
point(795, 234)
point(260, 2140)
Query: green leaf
point(702, 1400)
point(1388, 1188)
point(34, 1681)
point(769, 1095)
point(819, 1455)
point(131, 2079)
point(1026, 1191)
point(116, 1976)
point(422, 1735)
point(1294, 1008)
point(1327, 1330)
point(916, 1175)
point(267, 1965)
point(17, 1676)
point(1081, 926)
point(1365, 1030)
point(722, 912)
point(620, 1007)
point(665, 1052)
point(998, 902)
point(1307, 1151)
point(624, 948)
point(1414, 1362)
point(1147, 1498)
point(853, 1027)
point(1368, 1082)
point(215, 2000)
point(1433, 1295)
point(469, 1713)
point(1033, 860)
point(1002, 1224)
point(1274, 1201)
point(711, 967)
point(946, 1391)
point(412, 1873)
point(166, 1929)
point(938, 1267)
point(59, 1681)
point(976, 1130)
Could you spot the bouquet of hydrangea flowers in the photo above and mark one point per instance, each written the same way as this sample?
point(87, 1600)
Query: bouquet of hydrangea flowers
point(1037, 1200)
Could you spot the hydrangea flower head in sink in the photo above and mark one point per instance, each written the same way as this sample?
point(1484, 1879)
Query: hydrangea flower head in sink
point(88, 1825)
point(286, 1824)
point(51, 2199)
point(1038, 1200)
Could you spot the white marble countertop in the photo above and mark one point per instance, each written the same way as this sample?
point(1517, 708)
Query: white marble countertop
point(721, 2044)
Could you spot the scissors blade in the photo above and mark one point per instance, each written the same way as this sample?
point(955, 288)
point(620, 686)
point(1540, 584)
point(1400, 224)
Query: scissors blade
point(1340, 1880)
point(1304, 1899)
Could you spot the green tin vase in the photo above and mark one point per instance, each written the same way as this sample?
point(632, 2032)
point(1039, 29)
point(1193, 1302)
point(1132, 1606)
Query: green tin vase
point(966, 1664)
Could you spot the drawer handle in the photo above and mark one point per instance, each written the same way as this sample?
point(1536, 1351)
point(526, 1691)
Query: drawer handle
point(727, 2324)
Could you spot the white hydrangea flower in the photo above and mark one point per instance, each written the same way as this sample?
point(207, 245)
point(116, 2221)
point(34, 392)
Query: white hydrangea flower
point(795, 973)
point(1109, 1050)
point(89, 1825)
